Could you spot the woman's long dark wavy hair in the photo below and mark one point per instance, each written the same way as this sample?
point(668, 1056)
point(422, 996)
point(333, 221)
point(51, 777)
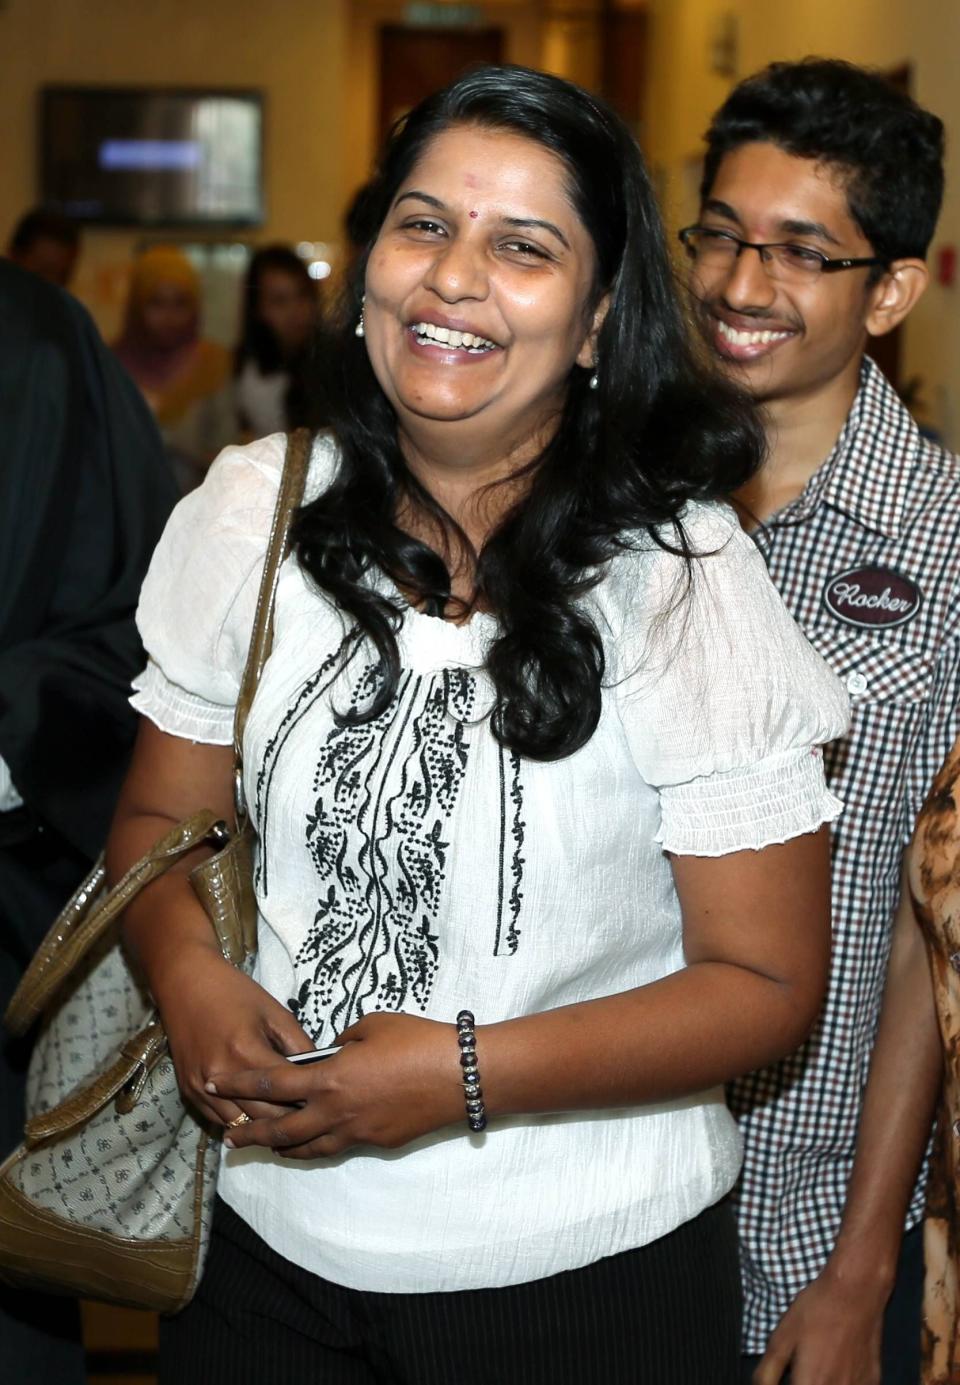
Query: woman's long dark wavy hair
point(658, 431)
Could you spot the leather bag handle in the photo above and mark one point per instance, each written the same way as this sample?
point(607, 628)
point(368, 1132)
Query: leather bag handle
point(292, 484)
point(79, 927)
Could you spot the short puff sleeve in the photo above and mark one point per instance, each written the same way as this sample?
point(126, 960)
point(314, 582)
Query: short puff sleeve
point(198, 601)
point(724, 701)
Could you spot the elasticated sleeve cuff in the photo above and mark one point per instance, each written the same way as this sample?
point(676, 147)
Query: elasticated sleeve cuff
point(778, 798)
point(178, 712)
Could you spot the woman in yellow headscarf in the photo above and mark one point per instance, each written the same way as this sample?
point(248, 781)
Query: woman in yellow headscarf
point(182, 376)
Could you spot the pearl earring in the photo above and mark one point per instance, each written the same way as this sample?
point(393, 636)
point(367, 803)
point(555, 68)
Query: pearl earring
point(594, 381)
point(359, 330)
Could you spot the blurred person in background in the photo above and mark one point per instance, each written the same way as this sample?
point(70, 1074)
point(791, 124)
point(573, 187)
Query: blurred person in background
point(821, 190)
point(929, 903)
point(281, 313)
point(930, 900)
point(84, 494)
point(183, 377)
point(47, 244)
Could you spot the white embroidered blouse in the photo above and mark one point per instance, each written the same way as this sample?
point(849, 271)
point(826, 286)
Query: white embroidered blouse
point(411, 863)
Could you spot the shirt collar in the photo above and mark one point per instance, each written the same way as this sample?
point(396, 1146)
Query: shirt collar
point(867, 475)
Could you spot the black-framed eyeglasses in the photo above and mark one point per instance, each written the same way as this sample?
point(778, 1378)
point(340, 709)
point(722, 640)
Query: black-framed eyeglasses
point(708, 245)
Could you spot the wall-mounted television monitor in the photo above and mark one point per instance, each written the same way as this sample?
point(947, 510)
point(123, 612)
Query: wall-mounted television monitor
point(152, 156)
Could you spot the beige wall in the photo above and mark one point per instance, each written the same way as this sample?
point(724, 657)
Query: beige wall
point(882, 33)
point(291, 49)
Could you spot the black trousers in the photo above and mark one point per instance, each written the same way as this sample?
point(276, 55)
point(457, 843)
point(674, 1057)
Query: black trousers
point(666, 1314)
point(901, 1321)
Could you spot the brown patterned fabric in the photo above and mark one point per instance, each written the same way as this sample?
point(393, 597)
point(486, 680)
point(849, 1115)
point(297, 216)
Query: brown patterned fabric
point(935, 887)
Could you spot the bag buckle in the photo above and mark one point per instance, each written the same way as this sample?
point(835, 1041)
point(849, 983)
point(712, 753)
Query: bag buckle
point(218, 834)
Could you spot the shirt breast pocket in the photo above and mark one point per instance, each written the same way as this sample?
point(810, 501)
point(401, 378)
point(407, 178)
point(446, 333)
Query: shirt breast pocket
point(876, 669)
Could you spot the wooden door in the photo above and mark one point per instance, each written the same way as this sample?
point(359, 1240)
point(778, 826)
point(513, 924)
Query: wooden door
point(415, 62)
point(625, 47)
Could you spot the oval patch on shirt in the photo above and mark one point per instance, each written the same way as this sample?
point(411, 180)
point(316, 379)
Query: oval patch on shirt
point(870, 597)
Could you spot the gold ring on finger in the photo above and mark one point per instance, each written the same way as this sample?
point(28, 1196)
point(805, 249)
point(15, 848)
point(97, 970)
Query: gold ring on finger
point(242, 1119)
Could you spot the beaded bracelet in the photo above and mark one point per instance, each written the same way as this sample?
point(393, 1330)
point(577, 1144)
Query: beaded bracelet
point(467, 1039)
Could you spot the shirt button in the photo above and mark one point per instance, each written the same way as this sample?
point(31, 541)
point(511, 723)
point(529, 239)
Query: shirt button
point(857, 684)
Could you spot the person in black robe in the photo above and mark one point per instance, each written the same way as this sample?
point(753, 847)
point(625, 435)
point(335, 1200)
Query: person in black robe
point(85, 491)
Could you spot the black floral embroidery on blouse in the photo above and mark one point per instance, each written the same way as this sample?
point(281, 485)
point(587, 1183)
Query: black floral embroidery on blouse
point(310, 693)
point(507, 936)
point(385, 792)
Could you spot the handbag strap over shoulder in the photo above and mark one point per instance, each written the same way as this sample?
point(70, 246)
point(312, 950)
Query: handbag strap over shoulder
point(292, 483)
point(93, 909)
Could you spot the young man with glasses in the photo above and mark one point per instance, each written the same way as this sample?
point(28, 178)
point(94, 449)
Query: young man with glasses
point(821, 191)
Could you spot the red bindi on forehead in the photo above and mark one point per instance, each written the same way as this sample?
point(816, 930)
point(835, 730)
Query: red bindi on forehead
point(474, 215)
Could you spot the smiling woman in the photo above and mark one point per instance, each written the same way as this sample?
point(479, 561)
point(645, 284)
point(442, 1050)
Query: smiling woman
point(518, 210)
point(534, 773)
point(497, 254)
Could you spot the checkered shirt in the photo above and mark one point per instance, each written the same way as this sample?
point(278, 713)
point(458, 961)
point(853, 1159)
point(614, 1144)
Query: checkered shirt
point(884, 498)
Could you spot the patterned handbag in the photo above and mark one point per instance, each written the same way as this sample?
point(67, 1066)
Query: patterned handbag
point(111, 1193)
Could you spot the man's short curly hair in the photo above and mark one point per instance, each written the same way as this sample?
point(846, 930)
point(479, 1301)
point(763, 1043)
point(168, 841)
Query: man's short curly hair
point(850, 118)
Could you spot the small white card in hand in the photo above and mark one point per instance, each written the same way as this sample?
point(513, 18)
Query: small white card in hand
point(313, 1055)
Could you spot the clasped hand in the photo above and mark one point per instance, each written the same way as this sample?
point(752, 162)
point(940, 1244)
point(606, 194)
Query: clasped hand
point(397, 1078)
